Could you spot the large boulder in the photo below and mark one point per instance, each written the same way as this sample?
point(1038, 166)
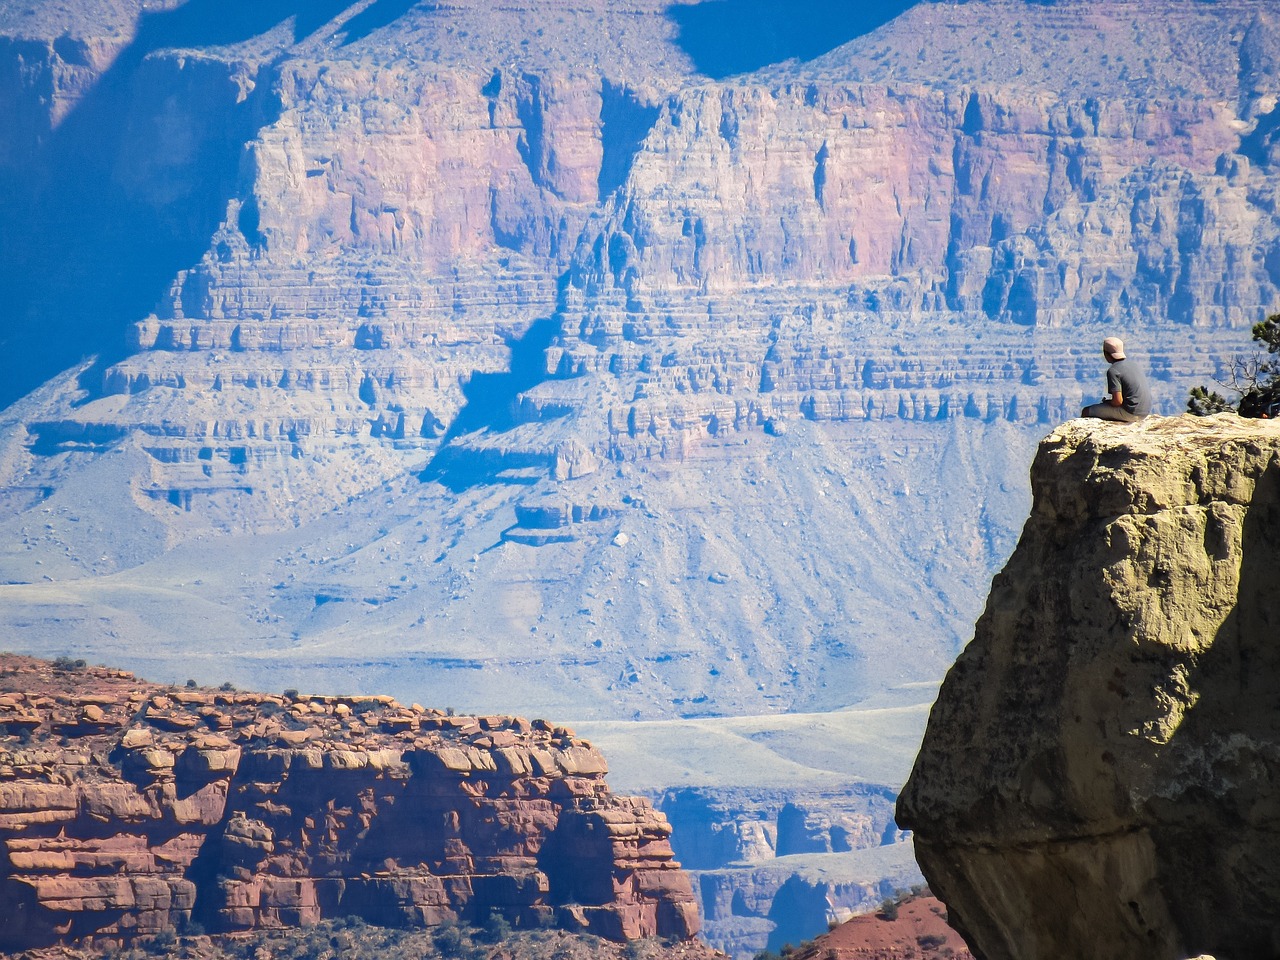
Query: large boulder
point(1098, 778)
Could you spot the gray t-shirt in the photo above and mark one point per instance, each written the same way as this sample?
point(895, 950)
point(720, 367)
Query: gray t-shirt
point(1127, 377)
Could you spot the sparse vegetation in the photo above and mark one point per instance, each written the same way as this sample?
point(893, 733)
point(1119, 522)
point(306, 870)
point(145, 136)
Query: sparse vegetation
point(646, 949)
point(66, 664)
point(496, 929)
point(353, 939)
point(1256, 379)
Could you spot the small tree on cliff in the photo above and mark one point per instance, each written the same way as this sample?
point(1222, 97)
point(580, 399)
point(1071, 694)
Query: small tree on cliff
point(1256, 379)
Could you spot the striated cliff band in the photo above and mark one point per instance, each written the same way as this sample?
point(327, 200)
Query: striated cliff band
point(1097, 778)
point(534, 255)
point(127, 809)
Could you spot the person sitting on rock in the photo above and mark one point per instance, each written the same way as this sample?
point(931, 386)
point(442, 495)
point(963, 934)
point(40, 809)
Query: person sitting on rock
point(1130, 398)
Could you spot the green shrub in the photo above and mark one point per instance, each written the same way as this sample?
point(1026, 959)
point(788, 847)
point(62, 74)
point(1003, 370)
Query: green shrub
point(1256, 379)
point(496, 928)
point(1205, 403)
point(450, 940)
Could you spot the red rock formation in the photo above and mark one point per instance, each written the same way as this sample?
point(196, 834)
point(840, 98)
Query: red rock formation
point(916, 928)
point(128, 808)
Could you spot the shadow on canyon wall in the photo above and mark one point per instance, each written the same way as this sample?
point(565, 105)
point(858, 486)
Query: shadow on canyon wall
point(129, 187)
point(491, 404)
point(377, 15)
point(726, 37)
point(1217, 830)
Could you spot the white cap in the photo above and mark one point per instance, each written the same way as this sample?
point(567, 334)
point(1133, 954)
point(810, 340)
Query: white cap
point(1114, 348)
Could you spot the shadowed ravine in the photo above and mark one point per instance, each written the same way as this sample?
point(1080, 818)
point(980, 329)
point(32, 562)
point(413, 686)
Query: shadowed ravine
point(737, 36)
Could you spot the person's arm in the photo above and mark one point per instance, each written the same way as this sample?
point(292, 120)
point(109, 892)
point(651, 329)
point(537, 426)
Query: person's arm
point(1114, 387)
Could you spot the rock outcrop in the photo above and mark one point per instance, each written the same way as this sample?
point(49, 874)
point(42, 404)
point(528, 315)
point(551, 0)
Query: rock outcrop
point(1097, 778)
point(127, 808)
point(913, 927)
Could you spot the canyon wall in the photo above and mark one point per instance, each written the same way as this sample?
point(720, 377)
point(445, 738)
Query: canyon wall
point(773, 867)
point(127, 809)
point(404, 211)
point(1095, 778)
point(530, 256)
point(501, 350)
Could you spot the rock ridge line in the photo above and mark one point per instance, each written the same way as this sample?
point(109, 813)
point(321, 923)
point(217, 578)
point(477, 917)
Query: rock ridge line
point(128, 808)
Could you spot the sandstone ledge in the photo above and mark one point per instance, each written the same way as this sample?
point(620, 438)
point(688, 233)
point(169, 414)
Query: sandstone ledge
point(127, 808)
point(1097, 775)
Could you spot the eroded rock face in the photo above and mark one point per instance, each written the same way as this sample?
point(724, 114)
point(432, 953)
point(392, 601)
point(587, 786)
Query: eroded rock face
point(1096, 779)
point(393, 214)
point(127, 808)
point(524, 246)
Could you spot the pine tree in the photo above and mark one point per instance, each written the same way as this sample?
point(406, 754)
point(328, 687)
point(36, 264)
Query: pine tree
point(1256, 379)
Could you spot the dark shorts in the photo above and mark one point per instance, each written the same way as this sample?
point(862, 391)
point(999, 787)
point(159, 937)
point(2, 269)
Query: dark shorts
point(1105, 411)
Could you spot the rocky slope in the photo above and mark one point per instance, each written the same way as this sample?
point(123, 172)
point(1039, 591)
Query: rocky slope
point(914, 927)
point(356, 940)
point(127, 809)
point(1095, 777)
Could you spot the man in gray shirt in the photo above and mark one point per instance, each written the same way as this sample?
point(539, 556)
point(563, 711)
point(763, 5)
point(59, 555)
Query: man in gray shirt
point(1130, 397)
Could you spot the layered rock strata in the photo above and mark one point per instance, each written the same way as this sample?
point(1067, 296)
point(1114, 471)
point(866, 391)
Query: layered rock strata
point(719, 828)
point(747, 852)
point(127, 809)
point(1097, 776)
point(527, 245)
point(887, 233)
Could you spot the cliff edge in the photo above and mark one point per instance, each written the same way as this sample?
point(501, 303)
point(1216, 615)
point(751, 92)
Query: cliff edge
point(1098, 774)
point(127, 808)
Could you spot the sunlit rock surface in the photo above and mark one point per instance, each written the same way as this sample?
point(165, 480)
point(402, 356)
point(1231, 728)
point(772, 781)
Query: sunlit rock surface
point(127, 808)
point(1096, 775)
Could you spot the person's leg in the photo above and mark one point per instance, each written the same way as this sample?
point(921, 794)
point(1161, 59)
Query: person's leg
point(1105, 411)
